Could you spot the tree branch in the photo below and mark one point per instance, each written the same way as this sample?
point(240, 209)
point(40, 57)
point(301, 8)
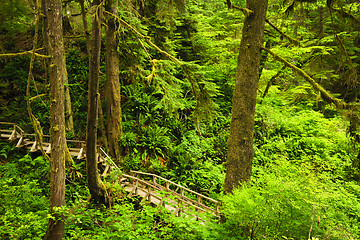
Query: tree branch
point(327, 96)
point(172, 58)
point(346, 15)
point(291, 40)
point(246, 11)
point(31, 52)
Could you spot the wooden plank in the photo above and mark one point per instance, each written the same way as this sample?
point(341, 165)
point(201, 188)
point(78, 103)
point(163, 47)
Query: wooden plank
point(13, 135)
point(196, 204)
point(106, 170)
point(6, 130)
point(48, 150)
point(80, 155)
point(75, 154)
point(34, 147)
point(7, 136)
point(20, 142)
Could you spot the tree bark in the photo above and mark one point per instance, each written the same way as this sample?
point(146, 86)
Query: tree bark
point(95, 185)
point(86, 29)
point(69, 121)
point(240, 141)
point(113, 98)
point(57, 75)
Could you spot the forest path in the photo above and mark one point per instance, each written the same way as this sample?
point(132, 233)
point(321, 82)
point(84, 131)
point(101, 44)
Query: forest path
point(152, 188)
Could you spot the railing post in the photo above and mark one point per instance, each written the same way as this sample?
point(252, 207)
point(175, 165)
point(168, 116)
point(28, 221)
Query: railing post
point(13, 134)
point(136, 187)
point(198, 200)
point(182, 192)
point(167, 185)
point(149, 192)
point(19, 143)
point(217, 208)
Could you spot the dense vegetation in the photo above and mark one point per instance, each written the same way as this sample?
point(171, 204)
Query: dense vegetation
point(305, 178)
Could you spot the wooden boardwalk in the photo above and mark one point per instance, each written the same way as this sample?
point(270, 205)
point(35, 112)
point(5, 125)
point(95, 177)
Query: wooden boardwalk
point(154, 189)
point(174, 197)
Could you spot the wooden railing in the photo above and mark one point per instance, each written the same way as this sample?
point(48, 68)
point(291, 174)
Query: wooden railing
point(152, 187)
point(181, 193)
point(13, 132)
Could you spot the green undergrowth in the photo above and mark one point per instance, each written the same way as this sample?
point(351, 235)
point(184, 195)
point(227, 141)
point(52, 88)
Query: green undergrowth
point(304, 184)
point(24, 194)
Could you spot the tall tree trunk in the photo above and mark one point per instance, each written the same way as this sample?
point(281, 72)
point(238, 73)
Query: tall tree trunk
point(240, 141)
point(57, 75)
point(69, 121)
point(85, 24)
point(95, 185)
point(113, 99)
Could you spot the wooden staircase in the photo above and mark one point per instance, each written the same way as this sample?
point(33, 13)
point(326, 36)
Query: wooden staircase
point(152, 188)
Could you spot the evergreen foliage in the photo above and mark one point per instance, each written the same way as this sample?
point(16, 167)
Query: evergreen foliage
point(305, 179)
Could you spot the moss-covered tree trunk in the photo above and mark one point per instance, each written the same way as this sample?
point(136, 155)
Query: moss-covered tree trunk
point(240, 142)
point(57, 75)
point(69, 121)
point(95, 185)
point(113, 99)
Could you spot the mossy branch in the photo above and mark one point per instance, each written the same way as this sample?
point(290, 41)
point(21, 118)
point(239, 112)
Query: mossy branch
point(271, 82)
point(352, 80)
point(291, 40)
point(31, 52)
point(346, 15)
point(247, 12)
point(327, 96)
point(35, 122)
point(37, 96)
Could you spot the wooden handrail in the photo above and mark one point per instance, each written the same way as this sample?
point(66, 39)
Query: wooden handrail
point(175, 184)
point(7, 123)
point(17, 133)
point(185, 200)
point(182, 190)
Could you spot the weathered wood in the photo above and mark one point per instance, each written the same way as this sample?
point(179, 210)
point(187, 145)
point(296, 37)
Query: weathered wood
point(20, 142)
point(48, 150)
point(34, 147)
point(151, 191)
point(106, 170)
point(81, 153)
point(143, 190)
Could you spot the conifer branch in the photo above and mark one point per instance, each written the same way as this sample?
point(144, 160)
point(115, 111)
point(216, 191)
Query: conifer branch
point(345, 14)
point(291, 40)
point(31, 52)
point(354, 77)
point(202, 96)
point(171, 57)
point(327, 96)
point(247, 12)
point(271, 82)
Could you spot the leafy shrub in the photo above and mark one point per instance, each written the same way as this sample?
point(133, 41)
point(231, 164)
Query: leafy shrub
point(122, 221)
point(292, 202)
point(23, 205)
